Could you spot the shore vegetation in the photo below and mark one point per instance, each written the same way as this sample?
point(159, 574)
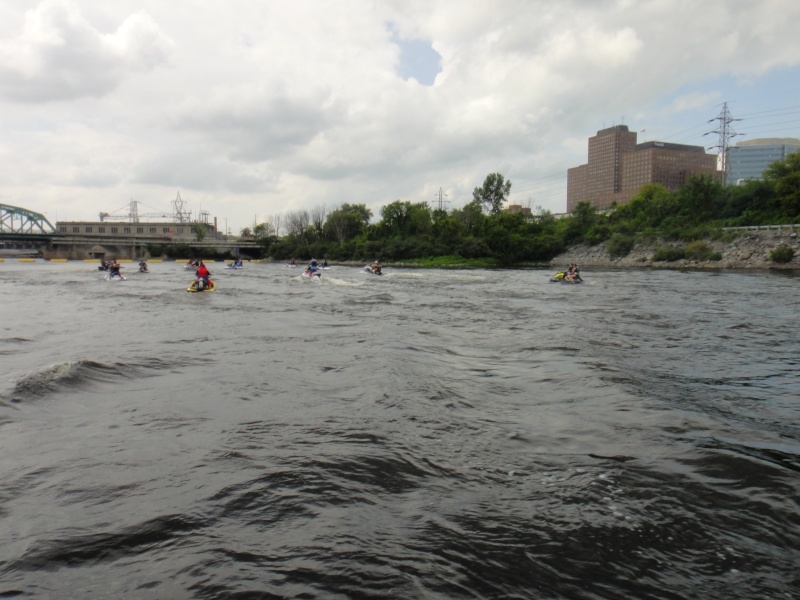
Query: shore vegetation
point(481, 234)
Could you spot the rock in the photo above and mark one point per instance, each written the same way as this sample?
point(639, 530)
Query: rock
point(750, 251)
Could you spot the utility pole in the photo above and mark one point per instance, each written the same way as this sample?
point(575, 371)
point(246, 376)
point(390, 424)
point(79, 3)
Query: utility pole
point(441, 195)
point(725, 133)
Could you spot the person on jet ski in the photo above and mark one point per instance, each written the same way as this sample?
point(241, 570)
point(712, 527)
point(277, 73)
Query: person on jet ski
point(312, 266)
point(376, 267)
point(572, 273)
point(203, 273)
point(113, 269)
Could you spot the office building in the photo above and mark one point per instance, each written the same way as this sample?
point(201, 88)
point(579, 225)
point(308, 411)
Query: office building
point(618, 167)
point(749, 160)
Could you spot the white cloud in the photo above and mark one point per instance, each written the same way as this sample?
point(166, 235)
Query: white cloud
point(694, 101)
point(260, 107)
point(59, 55)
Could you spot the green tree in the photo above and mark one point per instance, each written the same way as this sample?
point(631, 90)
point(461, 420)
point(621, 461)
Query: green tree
point(700, 200)
point(577, 226)
point(493, 193)
point(472, 218)
point(403, 219)
point(446, 228)
point(785, 174)
point(346, 222)
point(199, 230)
point(260, 231)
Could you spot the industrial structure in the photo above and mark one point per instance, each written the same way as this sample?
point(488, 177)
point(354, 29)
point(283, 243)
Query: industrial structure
point(134, 224)
point(618, 167)
point(125, 234)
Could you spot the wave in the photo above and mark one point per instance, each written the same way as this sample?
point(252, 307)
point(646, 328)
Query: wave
point(79, 375)
point(105, 547)
point(14, 342)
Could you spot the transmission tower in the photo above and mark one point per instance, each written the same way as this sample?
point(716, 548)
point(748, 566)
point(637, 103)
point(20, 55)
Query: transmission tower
point(180, 215)
point(440, 194)
point(725, 133)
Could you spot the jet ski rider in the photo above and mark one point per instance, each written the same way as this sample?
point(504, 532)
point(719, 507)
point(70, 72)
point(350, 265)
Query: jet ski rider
point(203, 273)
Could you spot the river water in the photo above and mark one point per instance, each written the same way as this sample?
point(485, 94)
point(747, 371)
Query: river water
point(425, 434)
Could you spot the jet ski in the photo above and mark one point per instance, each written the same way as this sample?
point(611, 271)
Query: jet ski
point(198, 285)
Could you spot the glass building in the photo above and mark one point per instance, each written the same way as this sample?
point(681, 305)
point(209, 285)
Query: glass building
point(749, 160)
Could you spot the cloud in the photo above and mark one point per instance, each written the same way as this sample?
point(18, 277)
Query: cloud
point(694, 101)
point(60, 56)
point(262, 107)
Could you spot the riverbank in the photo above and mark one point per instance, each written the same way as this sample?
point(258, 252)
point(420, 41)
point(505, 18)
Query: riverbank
point(748, 250)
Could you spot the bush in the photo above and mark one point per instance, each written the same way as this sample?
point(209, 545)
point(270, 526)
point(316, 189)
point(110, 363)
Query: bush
point(473, 248)
point(701, 251)
point(781, 254)
point(668, 254)
point(619, 245)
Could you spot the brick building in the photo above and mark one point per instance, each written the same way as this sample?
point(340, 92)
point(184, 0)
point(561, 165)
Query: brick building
point(618, 167)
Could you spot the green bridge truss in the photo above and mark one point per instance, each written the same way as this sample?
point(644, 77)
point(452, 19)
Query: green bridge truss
point(16, 220)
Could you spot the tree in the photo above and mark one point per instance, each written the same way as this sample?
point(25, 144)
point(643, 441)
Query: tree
point(786, 176)
point(297, 223)
point(199, 230)
point(493, 194)
point(260, 231)
point(274, 222)
point(471, 217)
point(700, 199)
point(347, 221)
point(395, 217)
point(318, 214)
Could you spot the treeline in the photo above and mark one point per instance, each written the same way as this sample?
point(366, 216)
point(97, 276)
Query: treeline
point(483, 233)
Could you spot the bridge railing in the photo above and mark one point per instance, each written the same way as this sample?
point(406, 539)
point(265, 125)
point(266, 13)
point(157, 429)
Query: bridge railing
point(787, 227)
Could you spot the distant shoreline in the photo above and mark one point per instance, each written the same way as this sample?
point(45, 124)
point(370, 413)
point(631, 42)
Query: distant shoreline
point(750, 250)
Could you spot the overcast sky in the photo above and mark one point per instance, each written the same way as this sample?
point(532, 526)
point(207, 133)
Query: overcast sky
point(251, 109)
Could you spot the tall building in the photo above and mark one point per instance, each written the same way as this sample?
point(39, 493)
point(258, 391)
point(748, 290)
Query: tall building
point(618, 167)
point(749, 160)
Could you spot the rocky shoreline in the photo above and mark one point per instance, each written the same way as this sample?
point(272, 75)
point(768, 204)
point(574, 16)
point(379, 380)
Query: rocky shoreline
point(748, 250)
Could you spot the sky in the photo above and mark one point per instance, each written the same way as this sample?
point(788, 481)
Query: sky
point(250, 110)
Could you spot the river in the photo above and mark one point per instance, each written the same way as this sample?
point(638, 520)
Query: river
point(427, 434)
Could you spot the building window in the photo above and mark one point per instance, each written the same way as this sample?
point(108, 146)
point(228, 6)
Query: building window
point(126, 230)
point(101, 230)
point(76, 230)
point(152, 230)
point(63, 228)
point(140, 230)
point(165, 230)
point(88, 229)
point(115, 230)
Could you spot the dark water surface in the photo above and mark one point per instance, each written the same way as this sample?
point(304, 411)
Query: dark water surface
point(425, 434)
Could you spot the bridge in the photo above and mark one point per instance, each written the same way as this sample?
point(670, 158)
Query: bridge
point(21, 221)
point(24, 232)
